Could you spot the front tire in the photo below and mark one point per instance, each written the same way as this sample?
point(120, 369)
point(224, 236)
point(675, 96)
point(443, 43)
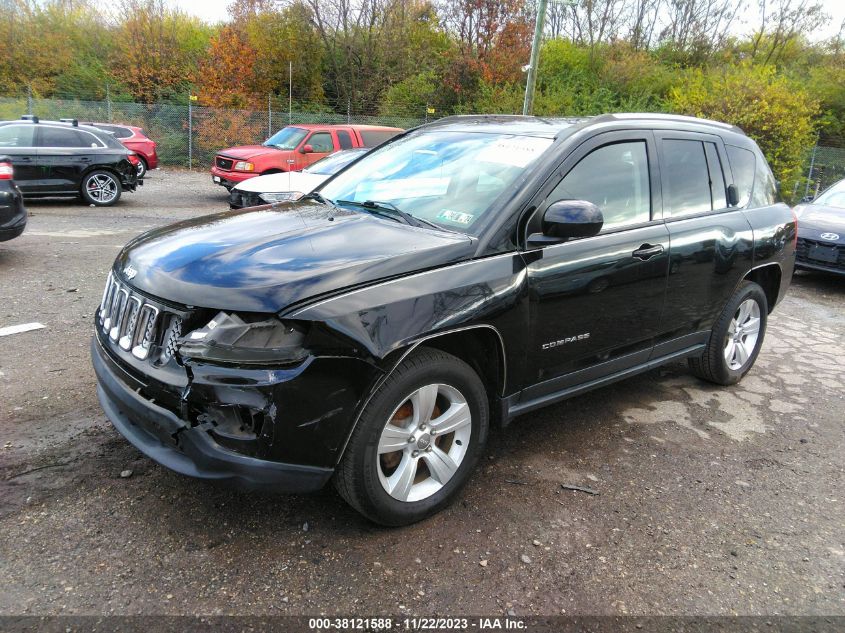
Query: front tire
point(417, 440)
point(736, 338)
point(101, 188)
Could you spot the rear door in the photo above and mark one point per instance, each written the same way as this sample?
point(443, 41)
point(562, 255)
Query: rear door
point(596, 302)
point(710, 243)
point(18, 143)
point(64, 153)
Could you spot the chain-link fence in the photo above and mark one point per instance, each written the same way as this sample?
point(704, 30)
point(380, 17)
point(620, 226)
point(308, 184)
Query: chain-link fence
point(190, 135)
point(825, 166)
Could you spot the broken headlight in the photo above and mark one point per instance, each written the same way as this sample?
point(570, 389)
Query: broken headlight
point(233, 338)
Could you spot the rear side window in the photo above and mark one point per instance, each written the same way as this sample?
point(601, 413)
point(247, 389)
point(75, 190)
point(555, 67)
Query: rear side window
point(615, 179)
point(686, 180)
point(60, 137)
point(371, 138)
point(742, 165)
point(765, 190)
point(16, 135)
point(121, 132)
point(344, 139)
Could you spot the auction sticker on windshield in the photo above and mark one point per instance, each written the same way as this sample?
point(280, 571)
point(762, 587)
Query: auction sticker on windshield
point(457, 217)
point(516, 151)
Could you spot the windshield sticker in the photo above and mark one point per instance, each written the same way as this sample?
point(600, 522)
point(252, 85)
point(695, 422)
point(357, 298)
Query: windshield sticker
point(515, 151)
point(457, 217)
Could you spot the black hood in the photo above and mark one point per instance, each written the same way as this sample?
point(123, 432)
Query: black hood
point(817, 219)
point(266, 259)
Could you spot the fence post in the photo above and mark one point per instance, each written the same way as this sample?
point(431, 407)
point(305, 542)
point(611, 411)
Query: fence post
point(29, 99)
point(190, 132)
point(108, 103)
point(269, 117)
point(812, 164)
point(348, 111)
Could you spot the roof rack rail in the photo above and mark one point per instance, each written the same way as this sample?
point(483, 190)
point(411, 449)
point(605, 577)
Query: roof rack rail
point(29, 117)
point(73, 122)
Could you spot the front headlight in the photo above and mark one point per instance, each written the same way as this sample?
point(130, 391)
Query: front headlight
point(243, 165)
point(232, 338)
point(284, 196)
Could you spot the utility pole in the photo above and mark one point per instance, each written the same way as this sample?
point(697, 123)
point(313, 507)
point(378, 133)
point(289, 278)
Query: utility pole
point(290, 92)
point(530, 84)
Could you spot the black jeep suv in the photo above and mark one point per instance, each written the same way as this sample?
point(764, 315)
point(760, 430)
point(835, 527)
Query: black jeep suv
point(468, 271)
point(63, 158)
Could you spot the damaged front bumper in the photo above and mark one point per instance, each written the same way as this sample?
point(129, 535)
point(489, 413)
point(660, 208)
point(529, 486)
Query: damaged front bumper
point(186, 447)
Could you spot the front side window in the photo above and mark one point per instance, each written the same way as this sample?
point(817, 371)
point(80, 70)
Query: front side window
point(321, 142)
point(450, 178)
point(287, 138)
point(686, 180)
point(616, 179)
point(16, 135)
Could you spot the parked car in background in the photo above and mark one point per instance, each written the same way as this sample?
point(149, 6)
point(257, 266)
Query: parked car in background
point(293, 148)
point(135, 139)
point(821, 231)
point(373, 330)
point(292, 185)
point(12, 211)
point(63, 158)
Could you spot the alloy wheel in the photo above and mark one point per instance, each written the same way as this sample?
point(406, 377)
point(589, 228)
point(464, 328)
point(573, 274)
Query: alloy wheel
point(742, 335)
point(424, 442)
point(101, 188)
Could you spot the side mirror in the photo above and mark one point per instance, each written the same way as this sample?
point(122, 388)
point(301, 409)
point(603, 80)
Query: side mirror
point(733, 196)
point(566, 219)
point(307, 149)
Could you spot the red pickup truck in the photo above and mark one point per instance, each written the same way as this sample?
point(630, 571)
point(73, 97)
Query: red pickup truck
point(293, 148)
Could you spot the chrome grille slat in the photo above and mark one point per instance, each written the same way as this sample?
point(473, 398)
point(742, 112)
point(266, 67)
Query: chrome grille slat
point(136, 324)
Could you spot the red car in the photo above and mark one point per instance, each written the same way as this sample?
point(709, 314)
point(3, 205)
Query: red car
point(292, 149)
point(133, 138)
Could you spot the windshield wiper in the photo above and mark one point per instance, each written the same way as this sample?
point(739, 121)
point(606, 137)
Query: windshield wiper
point(390, 210)
point(317, 196)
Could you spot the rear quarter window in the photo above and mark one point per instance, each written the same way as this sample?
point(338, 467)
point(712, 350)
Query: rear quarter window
point(372, 138)
point(743, 167)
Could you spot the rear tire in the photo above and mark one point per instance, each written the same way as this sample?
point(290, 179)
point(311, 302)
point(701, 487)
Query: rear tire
point(736, 338)
point(417, 440)
point(142, 167)
point(101, 188)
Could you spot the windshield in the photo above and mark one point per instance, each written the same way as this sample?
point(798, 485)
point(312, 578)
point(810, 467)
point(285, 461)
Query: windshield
point(286, 138)
point(334, 163)
point(449, 178)
point(833, 197)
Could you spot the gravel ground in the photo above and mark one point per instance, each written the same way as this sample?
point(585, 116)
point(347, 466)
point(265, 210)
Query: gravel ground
point(711, 500)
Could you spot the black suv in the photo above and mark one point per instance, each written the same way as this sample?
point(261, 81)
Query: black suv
point(466, 272)
point(63, 158)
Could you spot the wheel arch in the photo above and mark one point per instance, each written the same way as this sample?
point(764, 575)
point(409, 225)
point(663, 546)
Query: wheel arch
point(482, 339)
point(768, 277)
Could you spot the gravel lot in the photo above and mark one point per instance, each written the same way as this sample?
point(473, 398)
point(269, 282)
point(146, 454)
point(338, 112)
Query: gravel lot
point(712, 500)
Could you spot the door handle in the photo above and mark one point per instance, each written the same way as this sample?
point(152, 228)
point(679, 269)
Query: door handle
point(647, 251)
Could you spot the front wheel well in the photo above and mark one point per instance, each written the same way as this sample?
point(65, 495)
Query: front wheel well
point(481, 348)
point(273, 170)
point(768, 277)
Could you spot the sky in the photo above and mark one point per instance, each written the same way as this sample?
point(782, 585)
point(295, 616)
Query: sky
point(215, 11)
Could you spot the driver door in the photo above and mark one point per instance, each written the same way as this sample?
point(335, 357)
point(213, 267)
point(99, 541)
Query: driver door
point(596, 302)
